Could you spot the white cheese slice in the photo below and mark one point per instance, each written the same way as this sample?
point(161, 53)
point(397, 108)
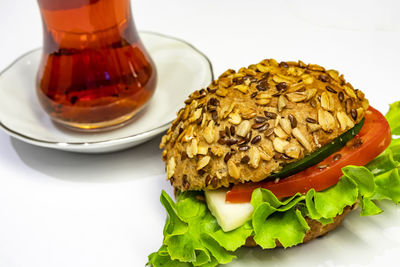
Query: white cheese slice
point(229, 215)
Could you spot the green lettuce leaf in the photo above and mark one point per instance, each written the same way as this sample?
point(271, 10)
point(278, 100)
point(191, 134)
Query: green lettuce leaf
point(393, 117)
point(276, 220)
point(395, 148)
point(288, 227)
point(234, 239)
point(192, 236)
point(362, 177)
point(368, 207)
point(385, 161)
point(388, 186)
point(331, 202)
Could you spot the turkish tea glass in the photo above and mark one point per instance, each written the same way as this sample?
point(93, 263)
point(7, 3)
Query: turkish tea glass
point(95, 73)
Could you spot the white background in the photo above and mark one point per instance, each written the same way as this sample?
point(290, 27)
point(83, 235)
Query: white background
point(64, 209)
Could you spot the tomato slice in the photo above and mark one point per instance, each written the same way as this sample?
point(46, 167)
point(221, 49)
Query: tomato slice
point(372, 140)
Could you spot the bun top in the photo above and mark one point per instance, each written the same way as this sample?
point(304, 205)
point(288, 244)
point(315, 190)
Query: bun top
point(250, 123)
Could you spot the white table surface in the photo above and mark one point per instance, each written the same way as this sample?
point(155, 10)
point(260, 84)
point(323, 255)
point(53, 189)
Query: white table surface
point(65, 209)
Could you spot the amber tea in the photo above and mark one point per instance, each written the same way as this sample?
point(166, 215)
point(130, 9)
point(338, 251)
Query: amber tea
point(94, 72)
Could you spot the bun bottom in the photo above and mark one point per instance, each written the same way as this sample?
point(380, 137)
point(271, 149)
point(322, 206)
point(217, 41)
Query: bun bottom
point(316, 228)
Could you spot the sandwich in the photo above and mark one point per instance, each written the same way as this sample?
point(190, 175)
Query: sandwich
point(275, 154)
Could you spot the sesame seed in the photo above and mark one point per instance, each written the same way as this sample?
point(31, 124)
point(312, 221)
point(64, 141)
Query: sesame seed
point(337, 157)
point(281, 87)
point(244, 148)
point(341, 96)
point(323, 78)
point(245, 159)
point(270, 115)
point(256, 139)
point(311, 120)
point(330, 89)
point(227, 156)
point(293, 121)
point(353, 113)
point(324, 166)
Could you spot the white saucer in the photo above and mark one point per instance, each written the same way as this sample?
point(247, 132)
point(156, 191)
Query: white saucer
point(181, 69)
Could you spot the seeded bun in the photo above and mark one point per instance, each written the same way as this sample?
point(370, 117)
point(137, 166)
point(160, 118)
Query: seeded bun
point(249, 124)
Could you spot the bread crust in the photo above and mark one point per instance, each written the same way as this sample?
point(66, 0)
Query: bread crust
point(316, 228)
point(249, 124)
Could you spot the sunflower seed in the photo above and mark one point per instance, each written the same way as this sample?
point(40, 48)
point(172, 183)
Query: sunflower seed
point(282, 102)
point(208, 134)
point(349, 90)
point(242, 88)
point(326, 120)
point(301, 138)
point(312, 127)
point(234, 118)
point(327, 101)
point(344, 120)
point(280, 144)
point(233, 170)
point(285, 124)
point(263, 101)
point(243, 128)
point(255, 157)
point(293, 151)
point(203, 162)
point(297, 96)
point(310, 93)
point(315, 67)
point(171, 167)
point(333, 74)
point(221, 92)
point(307, 79)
